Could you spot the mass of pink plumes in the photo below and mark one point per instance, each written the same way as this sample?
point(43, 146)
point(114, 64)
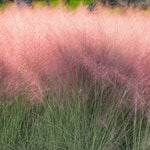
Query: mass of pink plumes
point(40, 47)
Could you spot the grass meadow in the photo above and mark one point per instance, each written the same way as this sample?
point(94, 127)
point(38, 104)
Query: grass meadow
point(74, 80)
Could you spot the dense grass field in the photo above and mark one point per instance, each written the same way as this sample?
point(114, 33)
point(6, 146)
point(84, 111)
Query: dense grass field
point(74, 80)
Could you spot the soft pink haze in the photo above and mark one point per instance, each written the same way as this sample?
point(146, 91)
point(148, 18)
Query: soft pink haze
point(41, 47)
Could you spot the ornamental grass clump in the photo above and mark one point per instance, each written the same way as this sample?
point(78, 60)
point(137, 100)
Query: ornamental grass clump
point(44, 50)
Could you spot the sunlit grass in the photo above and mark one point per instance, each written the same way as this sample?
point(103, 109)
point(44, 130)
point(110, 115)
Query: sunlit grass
point(54, 3)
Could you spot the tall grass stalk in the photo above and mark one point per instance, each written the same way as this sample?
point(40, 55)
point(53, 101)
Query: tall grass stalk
point(93, 124)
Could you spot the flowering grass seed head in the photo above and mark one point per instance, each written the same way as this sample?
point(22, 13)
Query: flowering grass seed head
point(42, 49)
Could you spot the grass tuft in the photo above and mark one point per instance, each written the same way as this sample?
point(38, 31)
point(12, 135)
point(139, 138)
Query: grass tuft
point(74, 80)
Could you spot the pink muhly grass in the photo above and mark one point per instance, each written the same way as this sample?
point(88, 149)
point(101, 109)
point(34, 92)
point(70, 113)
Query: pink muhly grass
point(40, 47)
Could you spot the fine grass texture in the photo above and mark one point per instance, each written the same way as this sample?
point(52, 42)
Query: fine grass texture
point(74, 80)
point(83, 126)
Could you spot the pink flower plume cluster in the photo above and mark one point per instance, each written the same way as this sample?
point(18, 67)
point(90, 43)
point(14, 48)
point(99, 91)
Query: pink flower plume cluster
point(39, 48)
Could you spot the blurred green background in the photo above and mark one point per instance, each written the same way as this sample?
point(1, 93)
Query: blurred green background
point(75, 3)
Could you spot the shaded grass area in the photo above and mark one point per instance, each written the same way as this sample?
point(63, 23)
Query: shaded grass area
point(3, 6)
point(99, 123)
